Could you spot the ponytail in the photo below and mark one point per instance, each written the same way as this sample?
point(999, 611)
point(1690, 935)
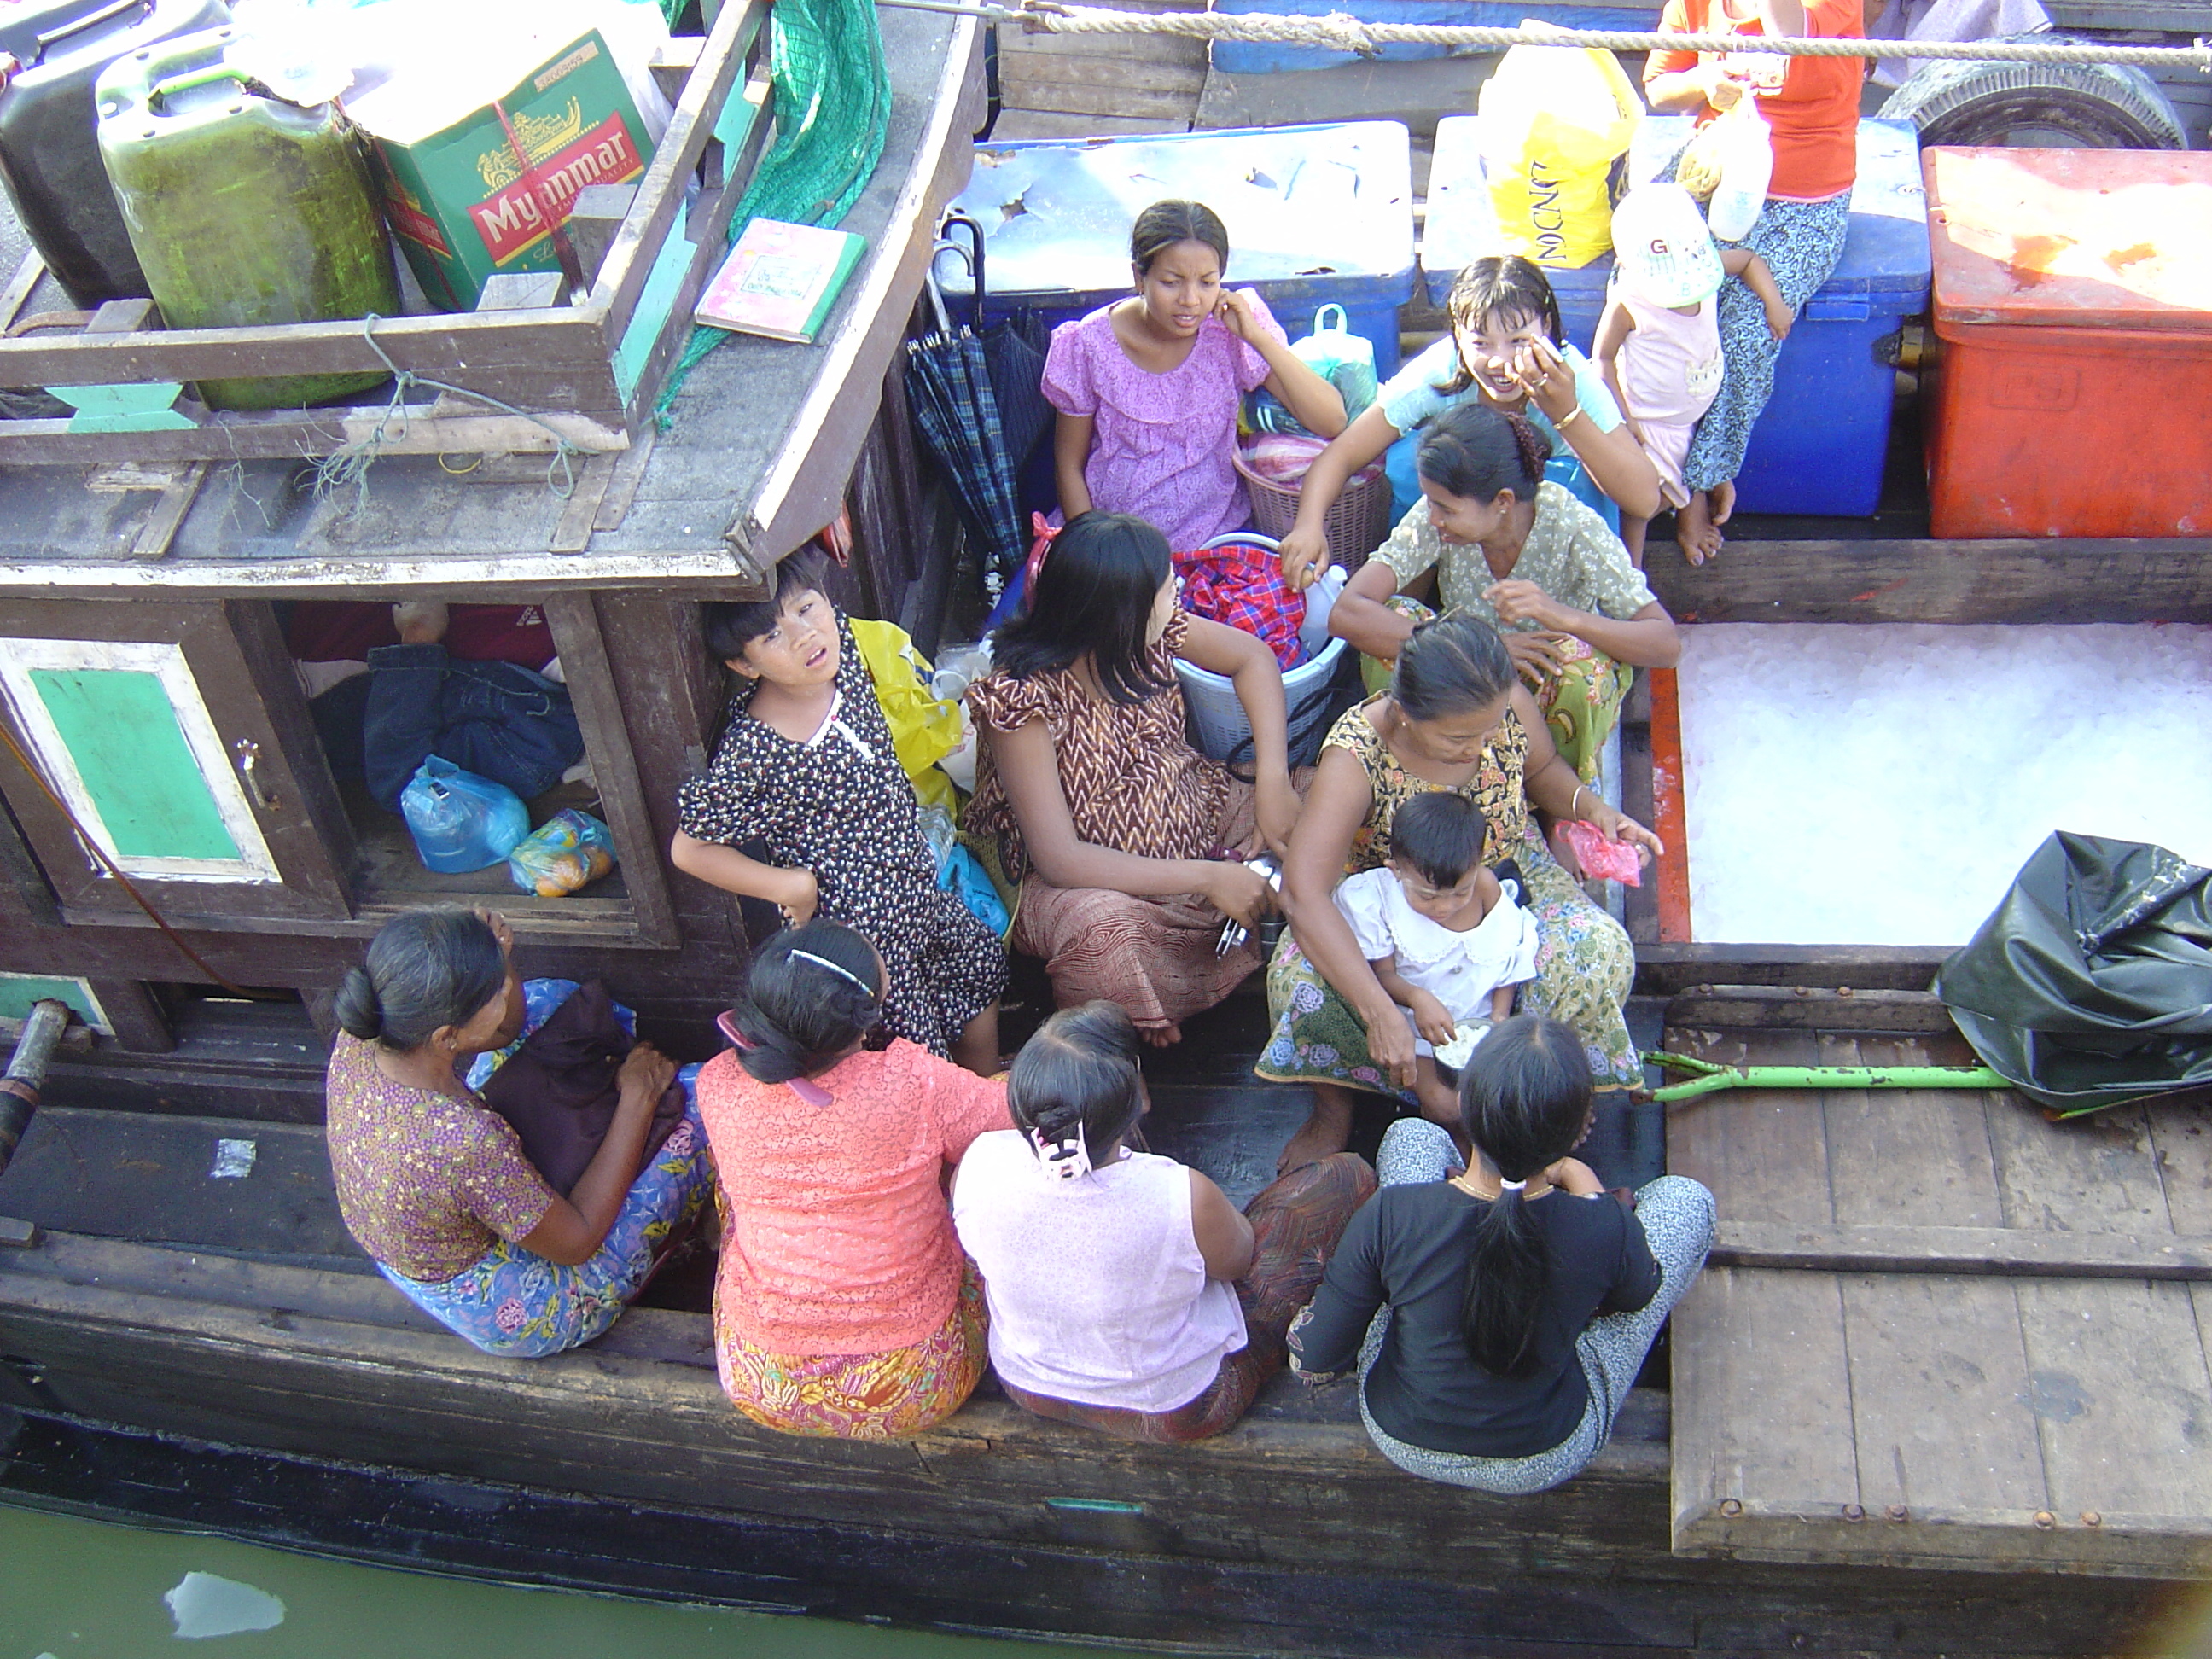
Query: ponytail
point(811, 995)
point(1524, 1097)
point(1076, 1086)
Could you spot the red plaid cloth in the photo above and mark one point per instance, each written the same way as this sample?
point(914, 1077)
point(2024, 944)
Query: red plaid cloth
point(1242, 585)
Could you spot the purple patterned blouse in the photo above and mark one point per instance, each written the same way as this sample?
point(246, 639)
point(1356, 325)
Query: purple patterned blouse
point(1161, 444)
point(427, 1184)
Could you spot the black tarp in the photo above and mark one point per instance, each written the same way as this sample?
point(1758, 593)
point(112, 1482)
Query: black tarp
point(2091, 985)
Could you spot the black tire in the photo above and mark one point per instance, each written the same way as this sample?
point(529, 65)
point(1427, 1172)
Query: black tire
point(2040, 105)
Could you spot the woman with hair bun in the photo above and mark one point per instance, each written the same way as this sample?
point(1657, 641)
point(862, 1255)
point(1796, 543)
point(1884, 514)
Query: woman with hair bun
point(1126, 1292)
point(842, 1306)
point(435, 1187)
point(1527, 557)
point(1517, 1298)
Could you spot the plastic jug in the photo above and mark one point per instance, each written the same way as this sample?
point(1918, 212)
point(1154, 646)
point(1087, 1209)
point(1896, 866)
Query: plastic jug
point(461, 820)
point(243, 209)
point(48, 149)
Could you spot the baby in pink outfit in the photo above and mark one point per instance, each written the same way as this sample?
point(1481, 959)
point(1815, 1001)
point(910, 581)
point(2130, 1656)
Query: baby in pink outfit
point(1659, 343)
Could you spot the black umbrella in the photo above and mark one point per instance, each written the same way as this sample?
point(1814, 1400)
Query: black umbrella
point(1014, 347)
point(948, 385)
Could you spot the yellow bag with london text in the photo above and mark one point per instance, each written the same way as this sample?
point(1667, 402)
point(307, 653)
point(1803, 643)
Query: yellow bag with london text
point(923, 731)
point(1554, 121)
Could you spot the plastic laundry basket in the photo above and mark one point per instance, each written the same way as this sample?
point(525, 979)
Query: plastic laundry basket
point(1217, 719)
point(1355, 527)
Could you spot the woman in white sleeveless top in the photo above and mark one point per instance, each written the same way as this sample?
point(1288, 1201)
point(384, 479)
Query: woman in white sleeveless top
point(1125, 1290)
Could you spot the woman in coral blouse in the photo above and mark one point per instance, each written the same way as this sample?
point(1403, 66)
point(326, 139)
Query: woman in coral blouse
point(1812, 111)
point(842, 1305)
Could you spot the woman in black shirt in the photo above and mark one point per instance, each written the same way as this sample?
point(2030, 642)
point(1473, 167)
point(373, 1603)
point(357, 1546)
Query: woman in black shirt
point(1516, 1301)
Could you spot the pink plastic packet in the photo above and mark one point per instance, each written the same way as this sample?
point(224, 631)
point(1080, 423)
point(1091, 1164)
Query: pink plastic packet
point(1612, 860)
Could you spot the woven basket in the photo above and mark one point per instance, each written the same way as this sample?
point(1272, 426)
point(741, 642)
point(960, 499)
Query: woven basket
point(1354, 528)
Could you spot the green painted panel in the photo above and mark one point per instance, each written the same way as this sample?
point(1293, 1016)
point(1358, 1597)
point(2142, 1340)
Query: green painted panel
point(19, 991)
point(130, 752)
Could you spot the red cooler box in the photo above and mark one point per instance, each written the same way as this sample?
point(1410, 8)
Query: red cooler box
point(2073, 300)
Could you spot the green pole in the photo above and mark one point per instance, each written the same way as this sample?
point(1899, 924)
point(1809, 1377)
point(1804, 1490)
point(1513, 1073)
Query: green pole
point(1711, 1079)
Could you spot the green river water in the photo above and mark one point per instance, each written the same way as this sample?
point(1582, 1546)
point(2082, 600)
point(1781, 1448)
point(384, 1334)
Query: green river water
point(81, 1589)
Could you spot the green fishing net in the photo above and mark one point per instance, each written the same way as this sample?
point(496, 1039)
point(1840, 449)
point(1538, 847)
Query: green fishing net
point(832, 104)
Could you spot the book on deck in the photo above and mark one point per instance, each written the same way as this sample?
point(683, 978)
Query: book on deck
point(781, 280)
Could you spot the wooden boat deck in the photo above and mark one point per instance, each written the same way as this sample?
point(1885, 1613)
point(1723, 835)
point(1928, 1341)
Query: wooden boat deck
point(236, 1311)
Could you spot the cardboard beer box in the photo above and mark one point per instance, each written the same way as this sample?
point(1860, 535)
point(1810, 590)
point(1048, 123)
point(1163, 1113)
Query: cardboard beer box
point(483, 191)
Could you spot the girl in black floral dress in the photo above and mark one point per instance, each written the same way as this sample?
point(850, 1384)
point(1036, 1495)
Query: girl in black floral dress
point(807, 767)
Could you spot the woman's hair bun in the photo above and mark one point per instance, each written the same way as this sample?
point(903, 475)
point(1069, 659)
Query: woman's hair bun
point(359, 1012)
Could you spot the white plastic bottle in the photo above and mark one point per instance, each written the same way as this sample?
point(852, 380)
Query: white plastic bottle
point(1746, 169)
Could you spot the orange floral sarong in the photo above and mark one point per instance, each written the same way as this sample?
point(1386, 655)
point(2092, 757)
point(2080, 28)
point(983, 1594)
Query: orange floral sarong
point(865, 1396)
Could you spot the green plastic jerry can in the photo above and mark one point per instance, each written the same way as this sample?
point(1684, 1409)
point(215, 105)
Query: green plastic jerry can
point(243, 209)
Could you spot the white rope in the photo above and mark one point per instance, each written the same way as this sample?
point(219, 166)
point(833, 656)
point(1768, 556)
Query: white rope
point(1339, 31)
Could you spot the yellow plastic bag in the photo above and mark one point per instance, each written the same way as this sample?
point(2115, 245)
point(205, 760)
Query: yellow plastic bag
point(1554, 121)
point(923, 730)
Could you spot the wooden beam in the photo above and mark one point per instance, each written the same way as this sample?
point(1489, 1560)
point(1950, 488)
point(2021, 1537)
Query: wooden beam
point(2010, 1252)
point(2057, 581)
point(1807, 1008)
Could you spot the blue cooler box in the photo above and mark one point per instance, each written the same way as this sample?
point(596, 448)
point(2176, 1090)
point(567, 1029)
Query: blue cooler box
point(1266, 58)
point(1821, 442)
point(1317, 215)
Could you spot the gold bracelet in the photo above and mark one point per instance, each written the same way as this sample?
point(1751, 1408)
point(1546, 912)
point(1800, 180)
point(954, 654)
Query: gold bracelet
point(1576, 800)
point(1561, 425)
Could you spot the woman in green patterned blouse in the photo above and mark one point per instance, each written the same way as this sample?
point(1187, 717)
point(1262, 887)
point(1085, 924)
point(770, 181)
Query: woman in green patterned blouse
point(1525, 556)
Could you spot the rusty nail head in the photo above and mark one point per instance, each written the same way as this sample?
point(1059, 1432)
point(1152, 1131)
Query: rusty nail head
point(1843, 990)
point(1731, 1507)
point(1897, 1512)
point(2044, 1520)
point(2091, 1518)
point(1854, 1512)
point(1804, 990)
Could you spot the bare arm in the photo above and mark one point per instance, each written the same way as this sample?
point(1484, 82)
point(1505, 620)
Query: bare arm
point(1030, 770)
point(1336, 805)
point(794, 890)
point(1501, 1003)
point(1223, 1237)
point(575, 1226)
point(1431, 1018)
point(1252, 669)
point(1615, 460)
point(1613, 331)
point(1759, 277)
point(1647, 640)
point(1318, 405)
point(1305, 550)
point(1362, 617)
point(1071, 454)
point(1551, 785)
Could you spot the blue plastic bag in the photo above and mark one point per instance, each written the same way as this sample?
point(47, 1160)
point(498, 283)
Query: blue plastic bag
point(461, 821)
point(962, 875)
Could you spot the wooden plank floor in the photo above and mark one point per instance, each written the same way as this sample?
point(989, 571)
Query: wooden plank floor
point(2042, 1413)
point(1076, 85)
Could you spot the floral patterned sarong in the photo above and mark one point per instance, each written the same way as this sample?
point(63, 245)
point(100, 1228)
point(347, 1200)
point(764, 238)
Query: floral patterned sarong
point(860, 1397)
point(517, 1305)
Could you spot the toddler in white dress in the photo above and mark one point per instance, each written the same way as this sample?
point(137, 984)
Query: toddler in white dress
point(1447, 938)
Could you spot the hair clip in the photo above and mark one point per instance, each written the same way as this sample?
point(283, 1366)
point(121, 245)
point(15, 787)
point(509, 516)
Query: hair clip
point(845, 974)
point(1073, 1167)
point(726, 1024)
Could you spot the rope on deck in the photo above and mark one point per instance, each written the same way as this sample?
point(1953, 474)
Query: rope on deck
point(1339, 31)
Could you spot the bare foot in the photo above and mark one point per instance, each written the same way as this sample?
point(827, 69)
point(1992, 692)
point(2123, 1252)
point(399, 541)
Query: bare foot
point(1161, 1036)
point(420, 622)
point(1724, 501)
point(1322, 1133)
point(1694, 529)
